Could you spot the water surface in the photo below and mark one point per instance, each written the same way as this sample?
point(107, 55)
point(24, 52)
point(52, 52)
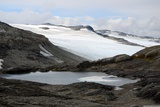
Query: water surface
point(70, 77)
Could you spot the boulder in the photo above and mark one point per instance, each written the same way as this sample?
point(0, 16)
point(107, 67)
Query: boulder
point(83, 65)
point(120, 58)
point(149, 53)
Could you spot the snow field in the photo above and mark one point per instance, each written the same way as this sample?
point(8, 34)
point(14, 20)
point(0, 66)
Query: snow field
point(84, 43)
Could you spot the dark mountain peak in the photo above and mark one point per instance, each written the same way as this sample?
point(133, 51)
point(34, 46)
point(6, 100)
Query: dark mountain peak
point(3, 24)
point(50, 24)
point(79, 27)
point(89, 28)
point(4, 27)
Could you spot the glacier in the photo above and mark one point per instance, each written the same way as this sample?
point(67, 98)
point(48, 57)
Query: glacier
point(84, 42)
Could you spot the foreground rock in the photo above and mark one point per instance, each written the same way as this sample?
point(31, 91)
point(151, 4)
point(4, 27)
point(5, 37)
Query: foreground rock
point(27, 50)
point(144, 64)
point(21, 93)
point(16, 93)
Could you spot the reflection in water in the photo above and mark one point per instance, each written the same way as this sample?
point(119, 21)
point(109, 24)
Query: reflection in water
point(70, 77)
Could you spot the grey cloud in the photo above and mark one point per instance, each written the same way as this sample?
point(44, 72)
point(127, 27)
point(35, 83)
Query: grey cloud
point(146, 27)
point(143, 15)
point(27, 16)
point(31, 17)
point(139, 7)
point(68, 21)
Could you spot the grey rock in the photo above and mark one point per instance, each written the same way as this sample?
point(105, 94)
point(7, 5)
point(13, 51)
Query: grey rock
point(81, 27)
point(156, 98)
point(120, 58)
point(45, 28)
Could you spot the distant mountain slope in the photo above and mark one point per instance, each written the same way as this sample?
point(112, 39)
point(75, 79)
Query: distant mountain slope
point(83, 41)
point(127, 36)
point(24, 48)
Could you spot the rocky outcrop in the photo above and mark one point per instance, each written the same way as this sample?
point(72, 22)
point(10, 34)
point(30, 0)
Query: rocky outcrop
point(22, 49)
point(120, 58)
point(81, 27)
point(115, 59)
point(150, 53)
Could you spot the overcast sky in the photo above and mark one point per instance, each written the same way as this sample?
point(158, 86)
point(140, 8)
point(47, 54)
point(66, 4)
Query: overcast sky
point(140, 17)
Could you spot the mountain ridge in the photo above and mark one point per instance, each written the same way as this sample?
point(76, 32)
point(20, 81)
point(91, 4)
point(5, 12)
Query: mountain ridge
point(102, 31)
point(106, 32)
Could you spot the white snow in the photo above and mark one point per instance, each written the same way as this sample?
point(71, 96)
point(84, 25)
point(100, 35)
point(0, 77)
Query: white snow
point(97, 79)
point(118, 88)
point(111, 76)
point(84, 43)
point(44, 52)
point(1, 60)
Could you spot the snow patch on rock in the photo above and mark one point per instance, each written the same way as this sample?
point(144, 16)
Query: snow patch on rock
point(97, 79)
point(44, 52)
point(1, 60)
